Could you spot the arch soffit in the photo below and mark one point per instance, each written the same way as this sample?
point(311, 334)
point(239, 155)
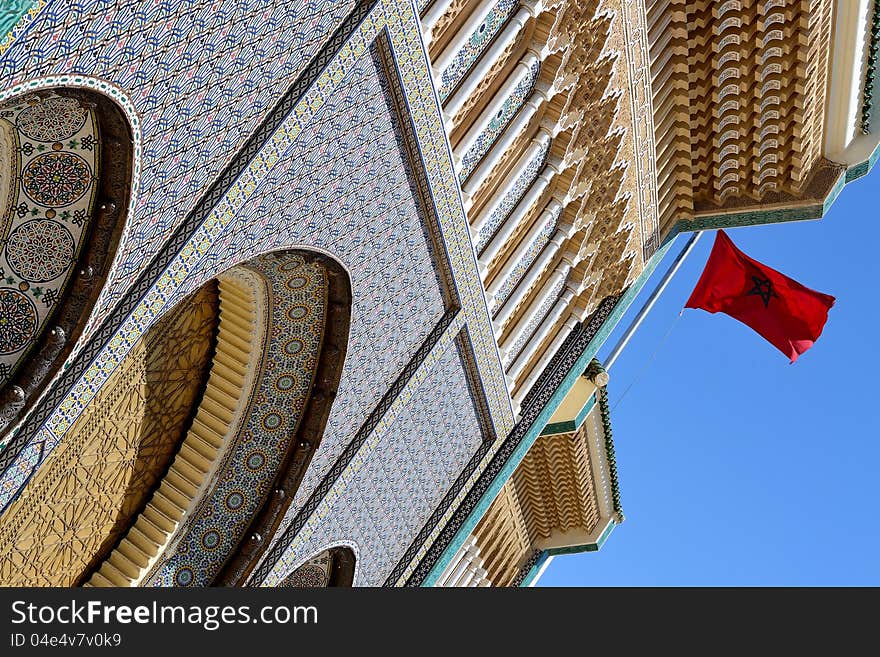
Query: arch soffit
point(125, 106)
point(293, 395)
point(108, 154)
point(304, 443)
point(325, 380)
point(83, 497)
point(349, 545)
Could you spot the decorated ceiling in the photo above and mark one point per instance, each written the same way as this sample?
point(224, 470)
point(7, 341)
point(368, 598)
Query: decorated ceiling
point(49, 161)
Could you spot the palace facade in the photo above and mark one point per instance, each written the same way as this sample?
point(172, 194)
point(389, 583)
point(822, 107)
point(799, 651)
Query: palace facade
point(300, 293)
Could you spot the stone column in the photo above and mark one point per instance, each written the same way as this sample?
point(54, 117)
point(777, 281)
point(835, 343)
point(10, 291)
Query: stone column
point(488, 59)
point(536, 146)
point(562, 233)
point(541, 333)
point(542, 93)
point(559, 274)
point(461, 36)
point(513, 220)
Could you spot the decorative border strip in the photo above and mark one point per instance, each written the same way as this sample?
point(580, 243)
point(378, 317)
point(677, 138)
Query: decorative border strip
point(16, 18)
point(117, 95)
point(527, 567)
point(552, 379)
point(475, 384)
point(32, 431)
point(396, 101)
point(611, 459)
point(638, 66)
point(379, 420)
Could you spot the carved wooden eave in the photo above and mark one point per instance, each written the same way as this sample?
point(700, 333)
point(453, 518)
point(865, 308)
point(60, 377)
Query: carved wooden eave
point(563, 497)
point(739, 92)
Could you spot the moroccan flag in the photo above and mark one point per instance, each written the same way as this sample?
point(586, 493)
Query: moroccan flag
point(789, 315)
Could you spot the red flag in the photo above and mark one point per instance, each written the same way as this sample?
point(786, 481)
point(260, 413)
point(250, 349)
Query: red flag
point(789, 315)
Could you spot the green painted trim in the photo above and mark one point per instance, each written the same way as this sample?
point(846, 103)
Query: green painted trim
point(832, 195)
point(863, 168)
point(534, 570)
point(11, 12)
point(575, 549)
point(750, 218)
point(571, 425)
point(535, 430)
point(600, 542)
point(555, 428)
point(611, 459)
point(589, 547)
point(857, 171)
point(780, 215)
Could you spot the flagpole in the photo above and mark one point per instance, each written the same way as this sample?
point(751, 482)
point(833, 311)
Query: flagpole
point(646, 308)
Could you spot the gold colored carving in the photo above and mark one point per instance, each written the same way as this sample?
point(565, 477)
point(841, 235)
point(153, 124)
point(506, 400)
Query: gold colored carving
point(572, 19)
point(739, 95)
point(85, 495)
point(551, 491)
point(440, 32)
point(217, 421)
point(502, 537)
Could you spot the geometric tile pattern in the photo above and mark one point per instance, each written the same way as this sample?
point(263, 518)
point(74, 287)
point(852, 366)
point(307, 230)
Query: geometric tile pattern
point(498, 123)
point(513, 196)
point(296, 314)
point(334, 165)
point(314, 573)
point(49, 158)
point(475, 45)
point(240, 211)
point(409, 467)
point(84, 496)
point(13, 18)
point(444, 527)
point(203, 75)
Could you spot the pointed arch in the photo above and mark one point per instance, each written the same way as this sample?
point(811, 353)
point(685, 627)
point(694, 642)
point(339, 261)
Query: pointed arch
point(308, 435)
point(75, 509)
point(334, 566)
point(220, 406)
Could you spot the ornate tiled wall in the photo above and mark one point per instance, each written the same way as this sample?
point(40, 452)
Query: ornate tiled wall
point(295, 326)
point(406, 470)
point(528, 258)
point(314, 573)
point(303, 185)
point(478, 41)
point(343, 185)
point(200, 77)
point(535, 321)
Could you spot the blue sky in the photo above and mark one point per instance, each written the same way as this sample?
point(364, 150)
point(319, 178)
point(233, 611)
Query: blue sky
point(737, 468)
